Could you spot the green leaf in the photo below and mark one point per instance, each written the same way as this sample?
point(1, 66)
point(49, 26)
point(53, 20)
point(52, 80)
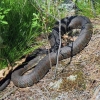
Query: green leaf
point(34, 24)
point(4, 22)
point(0, 13)
point(2, 17)
point(6, 11)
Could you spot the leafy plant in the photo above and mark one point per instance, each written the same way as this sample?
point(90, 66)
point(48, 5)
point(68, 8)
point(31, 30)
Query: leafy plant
point(22, 26)
point(3, 12)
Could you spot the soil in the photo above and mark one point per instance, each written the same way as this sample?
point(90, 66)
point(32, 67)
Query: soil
point(83, 72)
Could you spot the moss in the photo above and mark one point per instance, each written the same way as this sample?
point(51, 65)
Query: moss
point(77, 84)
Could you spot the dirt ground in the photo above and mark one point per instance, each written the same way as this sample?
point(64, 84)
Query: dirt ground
point(79, 80)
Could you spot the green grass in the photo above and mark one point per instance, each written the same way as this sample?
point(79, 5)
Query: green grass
point(22, 23)
point(21, 31)
point(86, 8)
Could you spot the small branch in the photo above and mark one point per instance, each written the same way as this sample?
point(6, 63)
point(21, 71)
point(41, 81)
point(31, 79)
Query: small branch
point(58, 52)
